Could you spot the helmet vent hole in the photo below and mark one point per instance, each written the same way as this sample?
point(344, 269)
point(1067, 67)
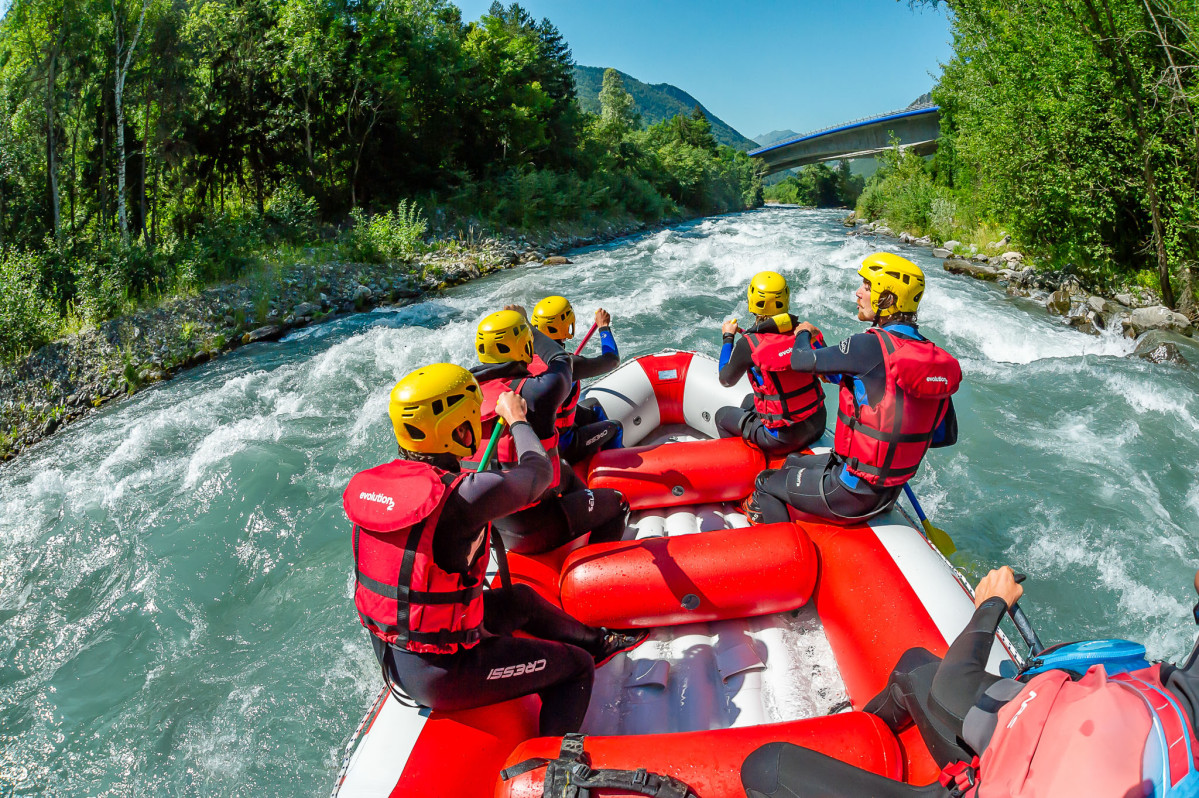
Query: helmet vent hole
point(455, 399)
point(480, 348)
point(907, 279)
point(503, 348)
point(438, 407)
point(414, 433)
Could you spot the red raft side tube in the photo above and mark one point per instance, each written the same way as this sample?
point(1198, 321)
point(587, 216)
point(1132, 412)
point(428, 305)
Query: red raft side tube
point(731, 573)
point(669, 475)
point(709, 762)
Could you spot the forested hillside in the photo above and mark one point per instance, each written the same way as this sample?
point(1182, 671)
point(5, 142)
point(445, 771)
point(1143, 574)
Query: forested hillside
point(1073, 125)
point(148, 148)
point(654, 103)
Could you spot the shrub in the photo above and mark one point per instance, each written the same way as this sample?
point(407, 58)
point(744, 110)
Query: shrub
point(27, 318)
point(291, 214)
point(100, 290)
point(391, 236)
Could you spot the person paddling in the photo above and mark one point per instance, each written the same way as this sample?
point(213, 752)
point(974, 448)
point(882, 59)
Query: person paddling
point(583, 429)
point(785, 412)
point(894, 405)
point(506, 347)
point(1088, 727)
point(421, 539)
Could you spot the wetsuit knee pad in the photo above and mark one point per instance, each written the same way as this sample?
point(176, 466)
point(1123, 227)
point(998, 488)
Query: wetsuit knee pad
point(760, 771)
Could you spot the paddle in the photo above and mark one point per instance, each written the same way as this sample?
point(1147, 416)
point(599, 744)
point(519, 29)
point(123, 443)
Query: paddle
point(586, 338)
point(497, 543)
point(1035, 646)
point(939, 537)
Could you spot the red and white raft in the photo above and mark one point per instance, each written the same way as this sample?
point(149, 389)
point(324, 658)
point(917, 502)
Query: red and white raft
point(761, 633)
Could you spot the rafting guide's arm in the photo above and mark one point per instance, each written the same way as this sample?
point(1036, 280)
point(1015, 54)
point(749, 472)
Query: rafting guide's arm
point(586, 368)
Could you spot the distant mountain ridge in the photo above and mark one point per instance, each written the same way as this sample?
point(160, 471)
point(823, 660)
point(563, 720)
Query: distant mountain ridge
point(654, 102)
point(773, 137)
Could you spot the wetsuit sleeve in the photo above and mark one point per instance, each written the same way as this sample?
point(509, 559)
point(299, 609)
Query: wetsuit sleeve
point(740, 359)
point(480, 498)
point(545, 392)
point(584, 368)
point(946, 433)
point(857, 354)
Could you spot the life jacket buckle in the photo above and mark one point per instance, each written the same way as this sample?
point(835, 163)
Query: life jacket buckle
point(959, 777)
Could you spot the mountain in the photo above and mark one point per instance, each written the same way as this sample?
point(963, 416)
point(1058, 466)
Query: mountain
point(654, 102)
point(773, 137)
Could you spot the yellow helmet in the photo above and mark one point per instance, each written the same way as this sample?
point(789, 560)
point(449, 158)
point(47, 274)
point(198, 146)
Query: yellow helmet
point(768, 294)
point(429, 406)
point(504, 337)
point(888, 272)
point(555, 317)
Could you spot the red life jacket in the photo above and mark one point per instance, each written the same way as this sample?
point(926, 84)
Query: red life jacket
point(783, 397)
point(884, 444)
point(402, 596)
point(1102, 737)
point(566, 413)
point(505, 448)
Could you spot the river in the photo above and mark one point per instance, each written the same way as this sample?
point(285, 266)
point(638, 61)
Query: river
point(175, 572)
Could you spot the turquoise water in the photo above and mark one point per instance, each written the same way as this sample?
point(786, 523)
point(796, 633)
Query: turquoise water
point(175, 611)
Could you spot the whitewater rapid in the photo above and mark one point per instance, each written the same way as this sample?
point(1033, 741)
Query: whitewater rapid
point(175, 571)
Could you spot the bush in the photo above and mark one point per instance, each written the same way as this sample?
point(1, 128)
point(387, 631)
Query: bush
point(27, 318)
point(391, 236)
point(100, 290)
point(291, 214)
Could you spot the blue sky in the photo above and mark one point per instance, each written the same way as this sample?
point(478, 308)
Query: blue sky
point(764, 65)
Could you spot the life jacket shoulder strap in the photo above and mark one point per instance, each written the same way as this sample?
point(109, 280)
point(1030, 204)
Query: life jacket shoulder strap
point(571, 775)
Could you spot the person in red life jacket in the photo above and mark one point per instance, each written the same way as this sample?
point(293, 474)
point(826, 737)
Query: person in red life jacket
point(421, 540)
point(583, 429)
point(785, 411)
point(507, 347)
point(1116, 729)
point(893, 406)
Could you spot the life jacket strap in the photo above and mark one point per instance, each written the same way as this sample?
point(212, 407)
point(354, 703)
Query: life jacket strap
point(960, 778)
point(571, 776)
point(879, 435)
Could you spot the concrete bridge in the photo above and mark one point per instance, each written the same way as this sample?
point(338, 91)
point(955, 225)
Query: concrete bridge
point(915, 128)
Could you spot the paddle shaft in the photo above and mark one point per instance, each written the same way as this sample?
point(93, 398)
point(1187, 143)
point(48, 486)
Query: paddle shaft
point(1024, 626)
point(586, 338)
point(497, 543)
point(907, 489)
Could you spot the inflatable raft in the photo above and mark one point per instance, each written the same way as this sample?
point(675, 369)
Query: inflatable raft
point(761, 633)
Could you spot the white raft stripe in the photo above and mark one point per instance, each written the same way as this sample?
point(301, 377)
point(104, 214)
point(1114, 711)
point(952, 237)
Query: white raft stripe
point(947, 601)
point(388, 741)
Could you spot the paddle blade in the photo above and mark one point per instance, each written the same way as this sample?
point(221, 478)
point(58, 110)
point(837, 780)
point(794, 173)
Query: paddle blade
point(939, 537)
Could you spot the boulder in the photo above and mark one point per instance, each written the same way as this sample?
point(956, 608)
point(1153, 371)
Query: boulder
point(1161, 346)
point(271, 332)
point(1098, 304)
point(361, 295)
point(557, 260)
point(1003, 242)
point(1126, 300)
point(1012, 256)
point(1159, 318)
point(1058, 303)
point(970, 269)
point(923, 241)
point(942, 252)
point(952, 244)
point(305, 309)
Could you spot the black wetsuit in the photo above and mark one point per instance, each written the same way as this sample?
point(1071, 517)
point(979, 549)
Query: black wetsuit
point(561, 649)
point(736, 359)
point(571, 510)
point(819, 484)
point(592, 430)
point(954, 703)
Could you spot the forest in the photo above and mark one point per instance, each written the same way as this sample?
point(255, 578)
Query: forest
point(1073, 126)
point(149, 148)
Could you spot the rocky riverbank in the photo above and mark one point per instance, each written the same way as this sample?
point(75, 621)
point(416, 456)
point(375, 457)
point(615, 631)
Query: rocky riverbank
point(1161, 334)
point(70, 378)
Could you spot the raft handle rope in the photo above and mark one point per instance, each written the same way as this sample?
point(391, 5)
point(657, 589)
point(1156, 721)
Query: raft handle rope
point(355, 738)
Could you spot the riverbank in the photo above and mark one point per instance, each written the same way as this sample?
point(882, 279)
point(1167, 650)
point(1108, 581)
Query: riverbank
point(65, 381)
point(1161, 334)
